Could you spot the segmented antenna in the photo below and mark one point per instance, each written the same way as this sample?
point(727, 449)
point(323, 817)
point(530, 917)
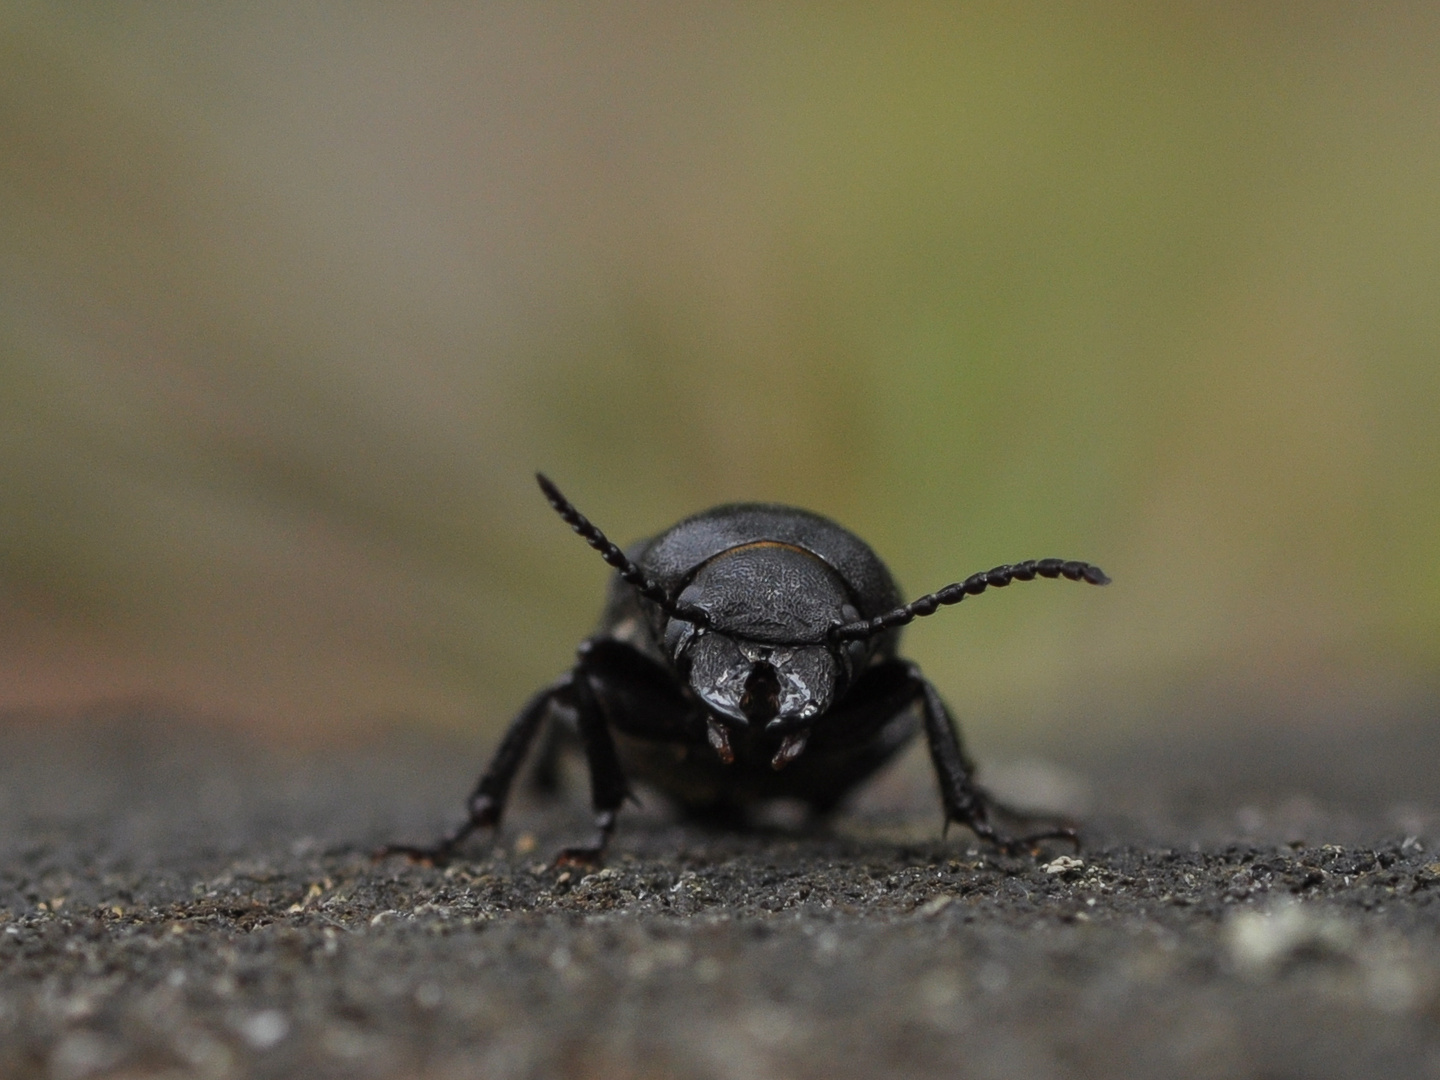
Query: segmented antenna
point(629, 571)
point(971, 586)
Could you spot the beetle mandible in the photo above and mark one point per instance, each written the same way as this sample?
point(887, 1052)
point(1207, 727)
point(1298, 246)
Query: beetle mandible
point(748, 653)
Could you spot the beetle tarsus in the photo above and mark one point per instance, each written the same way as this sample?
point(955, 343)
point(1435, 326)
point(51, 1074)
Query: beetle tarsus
point(484, 814)
point(1021, 815)
point(487, 801)
point(435, 854)
point(1018, 845)
point(966, 803)
point(592, 854)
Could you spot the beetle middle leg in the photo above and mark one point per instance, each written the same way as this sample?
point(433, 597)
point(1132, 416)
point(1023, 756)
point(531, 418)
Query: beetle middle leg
point(555, 742)
point(608, 787)
point(487, 801)
point(965, 802)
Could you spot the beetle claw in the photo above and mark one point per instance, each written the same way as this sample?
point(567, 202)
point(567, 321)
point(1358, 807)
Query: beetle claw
point(1030, 844)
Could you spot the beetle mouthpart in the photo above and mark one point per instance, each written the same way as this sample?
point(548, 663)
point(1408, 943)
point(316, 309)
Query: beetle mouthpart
point(760, 700)
point(720, 741)
point(791, 748)
point(782, 725)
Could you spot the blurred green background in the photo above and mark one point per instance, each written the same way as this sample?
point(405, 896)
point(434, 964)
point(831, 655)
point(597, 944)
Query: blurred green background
point(294, 299)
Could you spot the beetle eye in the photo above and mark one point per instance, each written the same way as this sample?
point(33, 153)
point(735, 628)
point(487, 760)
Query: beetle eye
point(679, 635)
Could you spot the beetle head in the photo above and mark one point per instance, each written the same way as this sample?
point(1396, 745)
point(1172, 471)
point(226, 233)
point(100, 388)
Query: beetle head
point(759, 656)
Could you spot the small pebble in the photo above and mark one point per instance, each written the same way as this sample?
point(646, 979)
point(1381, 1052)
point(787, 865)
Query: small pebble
point(262, 1030)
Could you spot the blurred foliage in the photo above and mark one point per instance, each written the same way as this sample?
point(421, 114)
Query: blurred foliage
point(296, 299)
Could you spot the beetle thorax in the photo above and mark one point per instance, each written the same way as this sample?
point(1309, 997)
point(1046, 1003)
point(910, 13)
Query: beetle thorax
point(769, 593)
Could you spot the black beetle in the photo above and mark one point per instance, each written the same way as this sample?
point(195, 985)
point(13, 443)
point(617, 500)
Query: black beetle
point(748, 653)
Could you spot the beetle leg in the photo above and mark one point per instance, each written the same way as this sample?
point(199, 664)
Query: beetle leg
point(1014, 813)
point(487, 801)
point(608, 787)
point(875, 719)
point(544, 774)
point(965, 802)
point(639, 697)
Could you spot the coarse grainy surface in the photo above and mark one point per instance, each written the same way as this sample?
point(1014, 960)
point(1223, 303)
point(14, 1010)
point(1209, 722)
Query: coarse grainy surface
point(180, 902)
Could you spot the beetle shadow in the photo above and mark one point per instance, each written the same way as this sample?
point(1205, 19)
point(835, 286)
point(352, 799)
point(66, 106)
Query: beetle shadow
point(788, 818)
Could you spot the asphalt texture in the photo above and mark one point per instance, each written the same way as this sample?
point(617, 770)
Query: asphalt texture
point(179, 901)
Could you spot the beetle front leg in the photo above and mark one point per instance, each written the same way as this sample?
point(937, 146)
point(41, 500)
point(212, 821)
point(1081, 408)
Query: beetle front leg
point(487, 801)
point(965, 802)
point(608, 786)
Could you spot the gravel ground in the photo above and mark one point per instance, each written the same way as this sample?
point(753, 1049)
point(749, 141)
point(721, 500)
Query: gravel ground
point(176, 901)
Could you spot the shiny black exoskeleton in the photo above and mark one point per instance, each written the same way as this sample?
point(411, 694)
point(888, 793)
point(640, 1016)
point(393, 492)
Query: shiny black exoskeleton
point(748, 653)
